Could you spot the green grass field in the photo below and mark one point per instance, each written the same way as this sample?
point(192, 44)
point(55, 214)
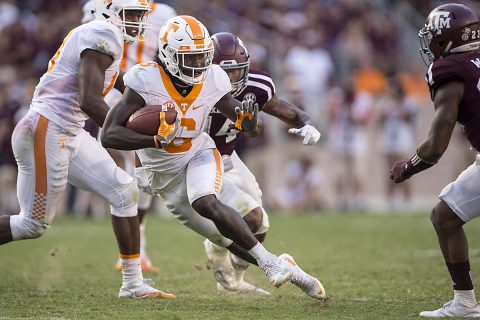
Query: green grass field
point(372, 266)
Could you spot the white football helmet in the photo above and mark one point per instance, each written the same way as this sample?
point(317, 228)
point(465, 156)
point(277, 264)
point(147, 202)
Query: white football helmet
point(186, 49)
point(88, 11)
point(115, 11)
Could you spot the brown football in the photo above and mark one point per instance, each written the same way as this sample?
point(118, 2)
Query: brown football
point(147, 119)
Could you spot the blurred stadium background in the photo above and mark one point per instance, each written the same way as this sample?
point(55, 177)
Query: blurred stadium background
point(352, 64)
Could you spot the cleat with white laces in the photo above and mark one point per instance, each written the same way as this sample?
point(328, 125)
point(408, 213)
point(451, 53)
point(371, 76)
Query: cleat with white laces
point(277, 271)
point(145, 290)
point(310, 285)
point(243, 288)
point(219, 262)
point(453, 308)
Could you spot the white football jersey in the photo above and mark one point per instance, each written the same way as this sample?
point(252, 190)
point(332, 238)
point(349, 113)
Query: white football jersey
point(153, 84)
point(56, 96)
point(146, 50)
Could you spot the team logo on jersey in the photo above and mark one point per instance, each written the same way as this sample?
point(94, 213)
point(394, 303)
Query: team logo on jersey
point(250, 96)
point(167, 105)
point(439, 21)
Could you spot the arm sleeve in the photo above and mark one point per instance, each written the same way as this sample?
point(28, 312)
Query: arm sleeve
point(103, 37)
point(442, 71)
point(136, 78)
point(222, 82)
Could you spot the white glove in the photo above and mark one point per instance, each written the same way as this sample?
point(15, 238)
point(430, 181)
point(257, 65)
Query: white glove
point(310, 134)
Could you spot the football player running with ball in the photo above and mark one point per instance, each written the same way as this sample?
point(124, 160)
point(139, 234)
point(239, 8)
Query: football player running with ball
point(183, 165)
point(450, 40)
point(51, 146)
point(240, 189)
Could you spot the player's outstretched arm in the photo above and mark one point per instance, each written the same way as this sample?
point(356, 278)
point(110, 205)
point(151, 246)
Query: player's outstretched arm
point(243, 114)
point(294, 116)
point(446, 101)
point(114, 133)
point(91, 77)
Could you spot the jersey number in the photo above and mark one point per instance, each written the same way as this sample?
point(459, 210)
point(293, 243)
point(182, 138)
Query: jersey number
point(186, 144)
point(229, 134)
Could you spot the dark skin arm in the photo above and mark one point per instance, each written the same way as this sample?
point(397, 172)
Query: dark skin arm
point(446, 101)
point(91, 77)
point(287, 112)
point(119, 85)
point(226, 105)
point(115, 135)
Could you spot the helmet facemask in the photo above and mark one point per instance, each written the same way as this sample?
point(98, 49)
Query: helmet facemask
point(426, 35)
point(132, 22)
point(237, 73)
point(190, 66)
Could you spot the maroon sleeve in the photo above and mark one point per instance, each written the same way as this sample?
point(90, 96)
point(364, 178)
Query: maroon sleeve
point(442, 71)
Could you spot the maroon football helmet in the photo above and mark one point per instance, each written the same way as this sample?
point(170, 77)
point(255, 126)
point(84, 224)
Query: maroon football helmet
point(232, 56)
point(449, 28)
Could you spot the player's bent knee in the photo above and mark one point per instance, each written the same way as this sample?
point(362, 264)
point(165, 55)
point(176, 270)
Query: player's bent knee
point(254, 219)
point(443, 218)
point(206, 206)
point(23, 228)
point(124, 201)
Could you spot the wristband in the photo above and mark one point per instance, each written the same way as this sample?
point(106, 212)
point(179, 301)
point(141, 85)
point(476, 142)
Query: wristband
point(414, 165)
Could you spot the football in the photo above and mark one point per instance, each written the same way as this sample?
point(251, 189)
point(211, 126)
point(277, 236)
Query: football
point(147, 119)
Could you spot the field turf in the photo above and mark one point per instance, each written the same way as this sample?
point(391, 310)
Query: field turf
point(372, 266)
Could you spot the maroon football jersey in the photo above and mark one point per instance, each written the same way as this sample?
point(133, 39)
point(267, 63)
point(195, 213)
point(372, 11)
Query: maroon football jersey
point(464, 67)
point(260, 87)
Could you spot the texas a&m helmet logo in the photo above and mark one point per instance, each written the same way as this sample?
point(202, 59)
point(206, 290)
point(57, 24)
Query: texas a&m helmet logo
point(439, 20)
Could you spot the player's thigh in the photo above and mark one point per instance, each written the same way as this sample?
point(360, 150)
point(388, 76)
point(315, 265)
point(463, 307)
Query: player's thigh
point(236, 198)
point(93, 169)
point(42, 152)
point(243, 178)
point(463, 195)
point(177, 201)
point(204, 174)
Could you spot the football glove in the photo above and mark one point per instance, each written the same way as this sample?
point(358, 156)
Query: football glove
point(309, 133)
point(166, 132)
point(246, 116)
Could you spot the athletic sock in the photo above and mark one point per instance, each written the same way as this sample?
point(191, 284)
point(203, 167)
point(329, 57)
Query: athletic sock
point(465, 297)
point(143, 240)
point(460, 274)
point(261, 254)
point(131, 271)
point(239, 267)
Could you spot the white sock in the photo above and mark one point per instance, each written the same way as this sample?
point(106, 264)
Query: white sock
point(239, 267)
point(466, 297)
point(131, 271)
point(217, 250)
point(143, 240)
point(261, 254)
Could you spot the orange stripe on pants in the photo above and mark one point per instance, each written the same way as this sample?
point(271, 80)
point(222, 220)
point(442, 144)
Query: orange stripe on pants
point(218, 171)
point(41, 189)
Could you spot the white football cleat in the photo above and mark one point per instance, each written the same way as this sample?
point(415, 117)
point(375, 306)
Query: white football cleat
point(219, 262)
point(453, 308)
point(243, 288)
point(145, 290)
point(310, 285)
point(277, 271)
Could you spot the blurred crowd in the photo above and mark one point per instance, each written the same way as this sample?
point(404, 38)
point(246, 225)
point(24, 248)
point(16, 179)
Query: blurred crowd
point(346, 62)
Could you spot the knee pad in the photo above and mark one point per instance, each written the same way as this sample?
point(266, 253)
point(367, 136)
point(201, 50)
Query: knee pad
point(125, 201)
point(23, 227)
